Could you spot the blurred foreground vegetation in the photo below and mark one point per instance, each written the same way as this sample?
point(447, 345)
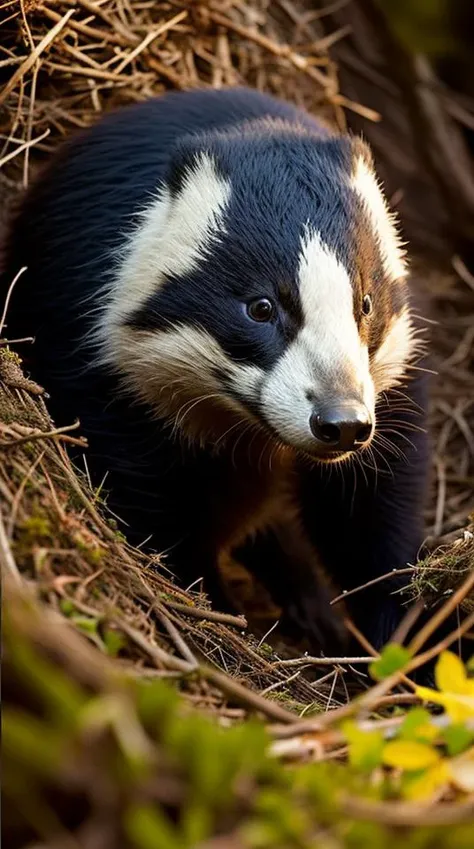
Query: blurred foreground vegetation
point(94, 758)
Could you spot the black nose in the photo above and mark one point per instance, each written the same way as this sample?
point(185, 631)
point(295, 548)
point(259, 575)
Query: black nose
point(343, 428)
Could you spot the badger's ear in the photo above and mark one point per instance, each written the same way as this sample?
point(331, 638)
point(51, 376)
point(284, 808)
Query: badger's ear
point(383, 221)
point(360, 151)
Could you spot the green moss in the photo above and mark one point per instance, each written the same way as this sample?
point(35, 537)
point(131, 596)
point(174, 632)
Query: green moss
point(285, 698)
point(9, 356)
point(93, 554)
point(170, 597)
point(266, 650)
point(35, 529)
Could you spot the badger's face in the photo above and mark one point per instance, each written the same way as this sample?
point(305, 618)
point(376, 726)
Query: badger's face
point(264, 283)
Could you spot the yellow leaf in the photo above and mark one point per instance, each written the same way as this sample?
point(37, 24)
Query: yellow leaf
point(450, 674)
point(427, 732)
point(424, 786)
point(409, 755)
point(459, 707)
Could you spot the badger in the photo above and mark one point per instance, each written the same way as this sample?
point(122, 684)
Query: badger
point(217, 289)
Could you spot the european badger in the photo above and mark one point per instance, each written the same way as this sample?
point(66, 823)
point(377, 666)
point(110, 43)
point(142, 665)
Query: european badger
point(217, 289)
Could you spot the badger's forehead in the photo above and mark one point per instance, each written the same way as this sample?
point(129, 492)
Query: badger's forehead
point(268, 189)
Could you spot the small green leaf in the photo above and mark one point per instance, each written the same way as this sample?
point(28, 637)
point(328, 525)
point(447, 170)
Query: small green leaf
point(156, 704)
point(291, 821)
point(30, 742)
point(60, 696)
point(147, 827)
point(67, 606)
point(114, 641)
point(86, 624)
point(418, 725)
point(457, 738)
point(365, 747)
point(196, 822)
point(392, 658)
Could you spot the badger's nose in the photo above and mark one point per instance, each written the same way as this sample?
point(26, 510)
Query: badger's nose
point(342, 428)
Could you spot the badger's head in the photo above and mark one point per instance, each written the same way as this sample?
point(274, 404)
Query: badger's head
point(264, 283)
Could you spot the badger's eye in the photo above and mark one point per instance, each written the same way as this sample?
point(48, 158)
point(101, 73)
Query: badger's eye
point(261, 309)
point(367, 305)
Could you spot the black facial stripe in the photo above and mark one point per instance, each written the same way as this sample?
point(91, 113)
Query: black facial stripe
point(214, 298)
point(291, 303)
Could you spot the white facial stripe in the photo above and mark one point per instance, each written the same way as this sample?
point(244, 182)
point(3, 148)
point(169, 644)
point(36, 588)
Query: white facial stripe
point(365, 184)
point(164, 367)
point(397, 349)
point(327, 353)
point(171, 239)
point(327, 302)
point(284, 401)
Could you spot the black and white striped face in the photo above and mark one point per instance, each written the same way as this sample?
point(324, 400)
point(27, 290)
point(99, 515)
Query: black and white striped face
point(264, 283)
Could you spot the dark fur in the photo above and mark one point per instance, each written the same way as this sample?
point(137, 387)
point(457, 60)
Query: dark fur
point(362, 523)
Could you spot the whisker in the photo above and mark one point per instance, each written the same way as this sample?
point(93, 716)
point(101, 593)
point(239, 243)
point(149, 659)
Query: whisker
point(250, 426)
point(387, 413)
point(391, 447)
point(420, 368)
point(407, 425)
point(358, 459)
point(188, 406)
point(402, 436)
point(411, 401)
point(229, 430)
point(371, 466)
point(383, 457)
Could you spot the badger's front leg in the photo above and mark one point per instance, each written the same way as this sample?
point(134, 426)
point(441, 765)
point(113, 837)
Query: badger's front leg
point(306, 595)
point(367, 520)
point(285, 562)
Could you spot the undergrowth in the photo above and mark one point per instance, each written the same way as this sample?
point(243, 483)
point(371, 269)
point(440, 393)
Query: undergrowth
point(125, 762)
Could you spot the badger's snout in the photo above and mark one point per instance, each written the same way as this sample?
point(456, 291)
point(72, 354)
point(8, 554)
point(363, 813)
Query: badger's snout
point(342, 427)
